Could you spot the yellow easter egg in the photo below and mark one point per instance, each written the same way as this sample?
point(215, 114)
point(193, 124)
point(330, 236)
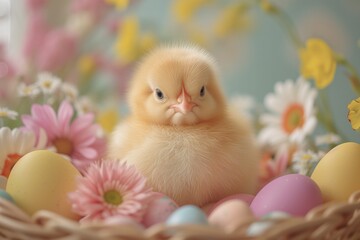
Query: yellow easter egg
point(338, 172)
point(41, 180)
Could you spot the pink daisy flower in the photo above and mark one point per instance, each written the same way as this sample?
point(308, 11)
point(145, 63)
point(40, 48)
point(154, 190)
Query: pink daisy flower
point(111, 189)
point(76, 138)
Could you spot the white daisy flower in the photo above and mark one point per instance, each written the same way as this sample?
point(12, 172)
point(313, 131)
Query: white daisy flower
point(243, 104)
point(48, 83)
point(5, 112)
point(304, 162)
point(327, 139)
point(70, 91)
point(84, 105)
point(31, 90)
point(292, 115)
point(15, 143)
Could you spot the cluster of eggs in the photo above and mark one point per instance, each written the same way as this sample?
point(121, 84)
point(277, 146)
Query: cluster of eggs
point(288, 195)
point(334, 179)
point(35, 183)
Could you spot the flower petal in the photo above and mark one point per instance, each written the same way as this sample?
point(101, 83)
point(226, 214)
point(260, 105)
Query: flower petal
point(65, 114)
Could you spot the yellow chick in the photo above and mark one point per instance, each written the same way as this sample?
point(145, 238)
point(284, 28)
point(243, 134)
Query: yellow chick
point(181, 133)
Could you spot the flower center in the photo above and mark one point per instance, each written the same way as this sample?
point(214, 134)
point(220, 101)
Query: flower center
point(63, 146)
point(9, 164)
point(113, 197)
point(293, 117)
point(47, 84)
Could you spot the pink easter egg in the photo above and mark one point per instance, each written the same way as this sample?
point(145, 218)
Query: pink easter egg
point(294, 194)
point(159, 210)
point(247, 198)
point(123, 220)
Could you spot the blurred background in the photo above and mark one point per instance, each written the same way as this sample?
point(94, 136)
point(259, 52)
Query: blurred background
point(95, 44)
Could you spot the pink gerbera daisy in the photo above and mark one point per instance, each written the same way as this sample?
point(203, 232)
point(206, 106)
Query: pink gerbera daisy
point(76, 138)
point(111, 189)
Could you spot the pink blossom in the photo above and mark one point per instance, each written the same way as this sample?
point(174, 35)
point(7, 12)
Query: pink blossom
point(76, 138)
point(111, 189)
point(35, 34)
point(273, 167)
point(7, 73)
point(35, 5)
point(58, 48)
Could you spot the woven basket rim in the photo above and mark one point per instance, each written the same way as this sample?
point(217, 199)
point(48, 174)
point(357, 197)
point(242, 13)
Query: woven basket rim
point(334, 220)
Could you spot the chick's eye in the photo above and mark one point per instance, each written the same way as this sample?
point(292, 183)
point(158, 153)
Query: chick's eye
point(159, 94)
point(202, 91)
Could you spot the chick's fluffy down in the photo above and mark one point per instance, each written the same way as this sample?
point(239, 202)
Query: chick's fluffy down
point(181, 134)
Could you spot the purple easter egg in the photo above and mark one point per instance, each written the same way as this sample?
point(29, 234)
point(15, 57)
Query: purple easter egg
point(294, 194)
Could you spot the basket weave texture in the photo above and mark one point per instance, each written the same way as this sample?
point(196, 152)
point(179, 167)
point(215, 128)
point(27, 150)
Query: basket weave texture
point(328, 221)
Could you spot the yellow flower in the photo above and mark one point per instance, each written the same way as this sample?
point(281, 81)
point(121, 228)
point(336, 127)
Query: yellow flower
point(130, 45)
point(120, 4)
point(147, 42)
point(232, 19)
point(318, 62)
point(185, 9)
point(267, 6)
point(126, 47)
point(354, 114)
point(108, 120)
point(86, 65)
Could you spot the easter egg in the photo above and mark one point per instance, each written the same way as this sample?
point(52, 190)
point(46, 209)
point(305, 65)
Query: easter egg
point(159, 210)
point(231, 214)
point(123, 221)
point(243, 197)
point(338, 172)
point(6, 196)
point(258, 228)
point(188, 214)
point(276, 215)
point(41, 180)
point(294, 194)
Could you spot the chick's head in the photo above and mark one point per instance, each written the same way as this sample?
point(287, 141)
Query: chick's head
point(176, 86)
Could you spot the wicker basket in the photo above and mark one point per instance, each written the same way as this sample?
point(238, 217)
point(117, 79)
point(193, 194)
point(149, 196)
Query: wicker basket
point(328, 221)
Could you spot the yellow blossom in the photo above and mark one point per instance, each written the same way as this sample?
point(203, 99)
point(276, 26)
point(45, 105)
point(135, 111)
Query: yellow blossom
point(126, 44)
point(108, 120)
point(86, 65)
point(147, 42)
point(185, 9)
point(130, 45)
point(120, 4)
point(354, 114)
point(267, 6)
point(232, 19)
point(318, 62)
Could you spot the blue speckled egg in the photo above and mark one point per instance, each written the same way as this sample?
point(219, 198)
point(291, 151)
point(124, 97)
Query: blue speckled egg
point(6, 196)
point(188, 214)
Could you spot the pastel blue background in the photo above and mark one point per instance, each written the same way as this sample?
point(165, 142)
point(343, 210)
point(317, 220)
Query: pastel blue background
point(263, 55)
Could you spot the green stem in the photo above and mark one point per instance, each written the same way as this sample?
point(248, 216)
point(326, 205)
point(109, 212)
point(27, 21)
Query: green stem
point(287, 23)
point(354, 76)
point(326, 119)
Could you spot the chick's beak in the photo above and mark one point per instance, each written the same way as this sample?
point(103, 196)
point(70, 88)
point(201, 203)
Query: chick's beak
point(184, 103)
